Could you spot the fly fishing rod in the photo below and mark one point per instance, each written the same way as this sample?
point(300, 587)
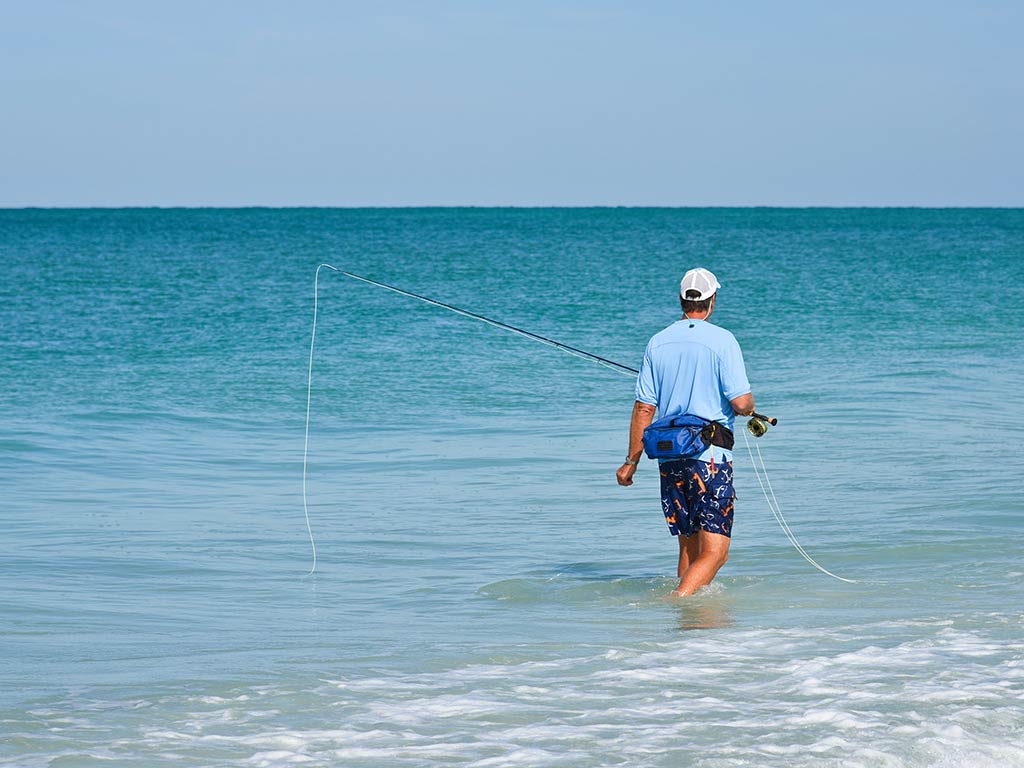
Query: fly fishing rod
point(496, 323)
point(757, 424)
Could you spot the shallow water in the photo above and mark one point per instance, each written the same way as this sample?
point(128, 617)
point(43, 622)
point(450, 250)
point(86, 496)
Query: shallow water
point(485, 594)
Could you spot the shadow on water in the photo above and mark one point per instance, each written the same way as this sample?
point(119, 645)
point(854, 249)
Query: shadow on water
point(594, 583)
point(574, 583)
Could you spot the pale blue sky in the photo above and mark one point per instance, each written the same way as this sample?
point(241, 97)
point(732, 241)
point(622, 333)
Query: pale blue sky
point(515, 103)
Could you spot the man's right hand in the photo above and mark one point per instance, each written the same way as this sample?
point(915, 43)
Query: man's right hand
point(625, 474)
point(743, 405)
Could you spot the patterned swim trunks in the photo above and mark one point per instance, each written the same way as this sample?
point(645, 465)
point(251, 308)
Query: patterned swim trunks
point(695, 498)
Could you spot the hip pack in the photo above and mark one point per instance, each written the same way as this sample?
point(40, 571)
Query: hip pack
point(685, 436)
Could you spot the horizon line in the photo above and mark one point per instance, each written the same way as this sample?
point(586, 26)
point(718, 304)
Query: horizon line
point(496, 207)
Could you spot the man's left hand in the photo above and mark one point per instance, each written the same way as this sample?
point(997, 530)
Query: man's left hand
point(625, 474)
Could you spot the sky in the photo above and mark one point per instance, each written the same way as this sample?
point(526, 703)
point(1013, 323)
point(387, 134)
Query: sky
point(520, 103)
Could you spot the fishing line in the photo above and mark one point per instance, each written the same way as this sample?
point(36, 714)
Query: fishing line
point(574, 351)
point(773, 505)
point(309, 393)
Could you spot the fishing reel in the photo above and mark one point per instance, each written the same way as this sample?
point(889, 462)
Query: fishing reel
point(758, 424)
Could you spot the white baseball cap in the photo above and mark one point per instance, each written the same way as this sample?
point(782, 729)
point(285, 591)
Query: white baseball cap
point(699, 279)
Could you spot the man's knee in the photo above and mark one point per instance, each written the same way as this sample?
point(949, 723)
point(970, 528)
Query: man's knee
point(715, 547)
point(719, 558)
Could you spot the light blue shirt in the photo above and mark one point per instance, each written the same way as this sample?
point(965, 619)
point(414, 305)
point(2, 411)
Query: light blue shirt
point(697, 368)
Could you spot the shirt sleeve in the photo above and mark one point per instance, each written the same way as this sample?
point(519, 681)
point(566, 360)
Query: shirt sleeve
point(646, 388)
point(733, 373)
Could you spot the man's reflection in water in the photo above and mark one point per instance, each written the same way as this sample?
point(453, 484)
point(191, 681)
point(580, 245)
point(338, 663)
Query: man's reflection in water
point(710, 613)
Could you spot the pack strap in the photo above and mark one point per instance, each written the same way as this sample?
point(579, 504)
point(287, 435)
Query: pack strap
point(718, 434)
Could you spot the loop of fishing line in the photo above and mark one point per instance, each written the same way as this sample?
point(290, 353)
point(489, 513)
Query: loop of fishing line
point(758, 430)
point(773, 505)
point(309, 394)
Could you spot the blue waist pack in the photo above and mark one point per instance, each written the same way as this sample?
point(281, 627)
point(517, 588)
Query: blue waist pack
point(685, 436)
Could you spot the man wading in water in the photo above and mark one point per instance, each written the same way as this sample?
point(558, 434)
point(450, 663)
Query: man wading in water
point(693, 367)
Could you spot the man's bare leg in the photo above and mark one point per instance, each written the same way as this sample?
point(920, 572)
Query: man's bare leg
point(689, 548)
point(713, 552)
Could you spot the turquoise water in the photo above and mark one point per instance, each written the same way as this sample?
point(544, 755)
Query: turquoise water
point(485, 594)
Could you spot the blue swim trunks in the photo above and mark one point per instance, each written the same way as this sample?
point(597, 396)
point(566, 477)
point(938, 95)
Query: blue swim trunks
point(693, 497)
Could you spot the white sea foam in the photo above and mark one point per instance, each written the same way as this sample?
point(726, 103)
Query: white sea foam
point(859, 696)
point(279, 757)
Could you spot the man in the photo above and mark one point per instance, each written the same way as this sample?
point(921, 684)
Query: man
point(693, 367)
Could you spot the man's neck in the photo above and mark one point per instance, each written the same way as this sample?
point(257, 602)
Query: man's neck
point(696, 316)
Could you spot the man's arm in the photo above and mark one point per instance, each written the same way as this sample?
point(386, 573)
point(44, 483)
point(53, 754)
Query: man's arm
point(643, 415)
point(743, 405)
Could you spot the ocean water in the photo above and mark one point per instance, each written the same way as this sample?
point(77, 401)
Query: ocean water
point(485, 594)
